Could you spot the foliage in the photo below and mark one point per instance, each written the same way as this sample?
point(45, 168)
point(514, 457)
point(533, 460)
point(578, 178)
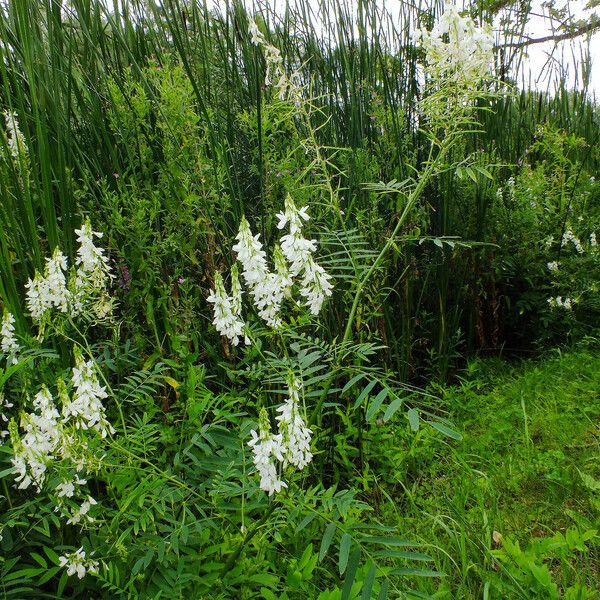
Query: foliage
point(166, 125)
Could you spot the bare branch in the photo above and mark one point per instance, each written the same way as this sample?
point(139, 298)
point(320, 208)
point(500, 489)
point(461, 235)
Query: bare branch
point(591, 26)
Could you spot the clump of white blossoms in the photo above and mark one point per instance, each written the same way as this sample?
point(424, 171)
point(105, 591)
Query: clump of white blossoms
point(50, 291)
point(34, 450)
point(275, 75)
point(86, 290)
point(66, 488)
point(291, 446)
point(85, 409)
point(78, 563)
point(226, 310)
point(292, 258)
point(92, 276)
point(267, 450)
point(315, 284)
point(8, 340)
point(457, 50)
point(48, 439)
point(14, 137)
point(81, 514)
point(251, 255)
point(559, 302)
point(459, 62)
point(553, 266)
point(295, 435)
point(569, 236)
point(53, 438)
point(267, 289)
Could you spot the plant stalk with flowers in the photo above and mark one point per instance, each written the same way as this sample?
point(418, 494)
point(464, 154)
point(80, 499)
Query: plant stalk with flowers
point(457, 71)
point(295, 268)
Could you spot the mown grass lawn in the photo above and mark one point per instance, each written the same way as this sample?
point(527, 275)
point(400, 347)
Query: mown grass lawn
point(526, 472)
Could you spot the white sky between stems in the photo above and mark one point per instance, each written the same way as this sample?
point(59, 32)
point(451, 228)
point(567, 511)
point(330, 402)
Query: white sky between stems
point(533, 72)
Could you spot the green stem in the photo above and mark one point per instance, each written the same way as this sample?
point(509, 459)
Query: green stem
point(6, 493)
point(231, 560)
point(413, 197)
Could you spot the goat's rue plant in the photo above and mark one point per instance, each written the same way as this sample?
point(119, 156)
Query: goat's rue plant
point(457, 70)
point(293, 260)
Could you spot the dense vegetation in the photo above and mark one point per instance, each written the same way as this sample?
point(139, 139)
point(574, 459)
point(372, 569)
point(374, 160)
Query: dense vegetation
point(453, 218)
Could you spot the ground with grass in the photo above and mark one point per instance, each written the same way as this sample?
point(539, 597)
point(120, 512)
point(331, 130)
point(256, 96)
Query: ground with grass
point(514, 506)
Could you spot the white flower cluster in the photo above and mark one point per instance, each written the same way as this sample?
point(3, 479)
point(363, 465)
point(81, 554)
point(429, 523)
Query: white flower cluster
point(227, 310)
point(559, 302)
point(78, 563)
point(291, 446)
point(553, 266)
point(49, 291)
point(295, 434)
point(275, 75)
point(86, 288)
point(593, 241)
point(298, 251)
point(569, 236)
point(267, 289)
point(82, 512)
point(267, 450)
point(47, 435)
point(34, 450)
point(4, 404)
point(8, 341)
point(457, 50)
point(293, 258)
point(86, 409)
point(66, 489)
point(92, 275)
point(14, 137)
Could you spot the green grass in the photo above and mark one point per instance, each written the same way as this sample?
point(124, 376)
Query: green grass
point(528, 468)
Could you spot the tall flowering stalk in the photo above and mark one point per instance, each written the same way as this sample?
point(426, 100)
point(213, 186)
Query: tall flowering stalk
point(226, 319)
point(293, 267)
point(14, 137)
point(315, 283)
point(8, 340)
point(85, 292)
point(456, 79)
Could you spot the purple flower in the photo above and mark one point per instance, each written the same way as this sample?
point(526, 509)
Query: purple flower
point(125, 278)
